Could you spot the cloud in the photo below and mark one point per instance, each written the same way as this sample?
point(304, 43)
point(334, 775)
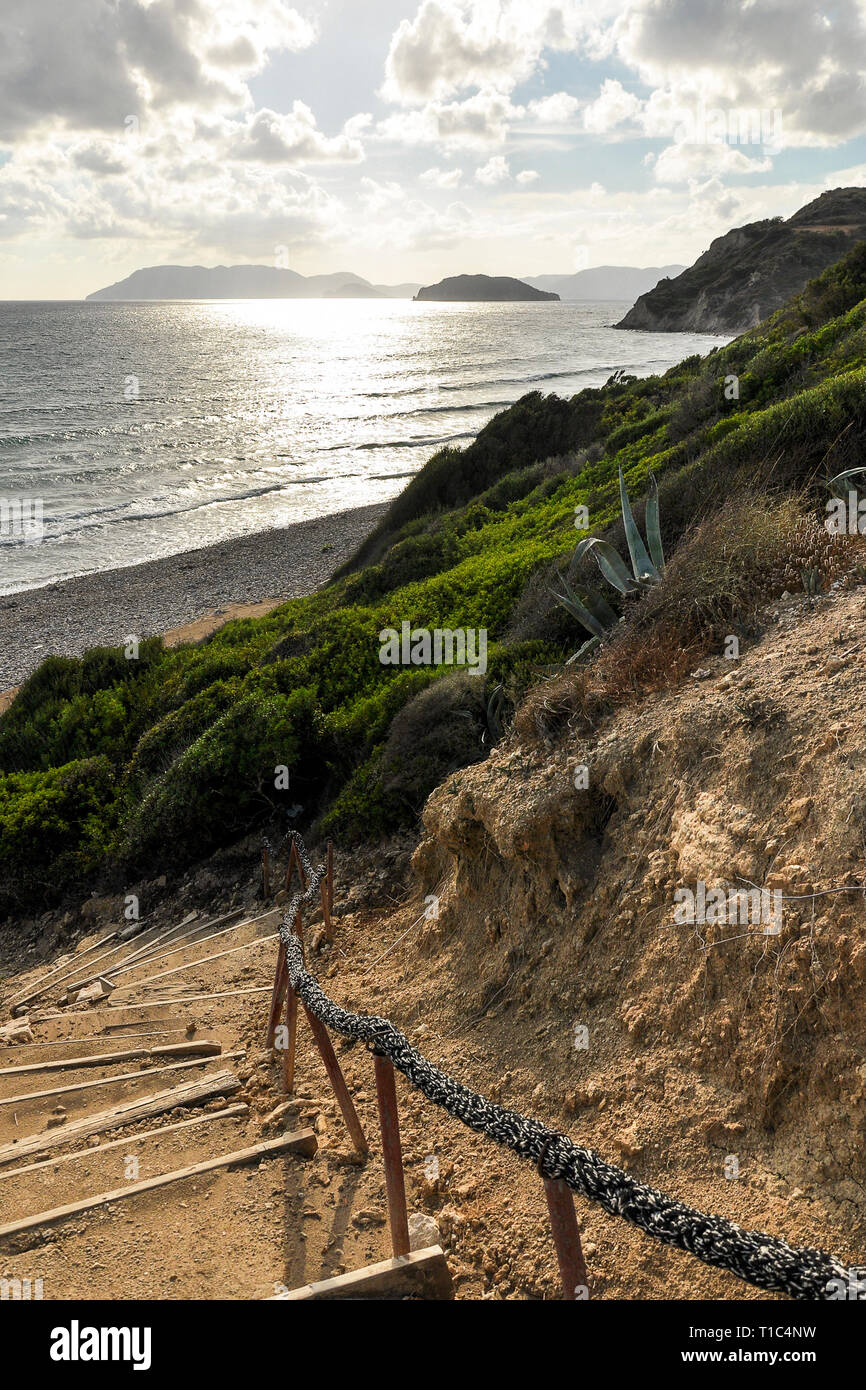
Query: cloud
point(295, 138)
point(442, 178)
point(613, 106)
point(98, 157)
point(682, 163)
point(527, 176)
point(806, 61)
point(481, 120)
point(449, 46)
point(87, 66)
point(495, 171)
point(559, 108)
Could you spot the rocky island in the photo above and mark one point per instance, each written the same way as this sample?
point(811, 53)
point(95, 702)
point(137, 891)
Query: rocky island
point(481, 289)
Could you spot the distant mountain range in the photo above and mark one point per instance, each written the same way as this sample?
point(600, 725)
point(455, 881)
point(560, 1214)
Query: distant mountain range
point(246, 282)
point(749, 273)
point(624, 282)
point(611, 282)
point(479, 289)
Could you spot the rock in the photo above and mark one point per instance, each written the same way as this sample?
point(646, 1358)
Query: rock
point(18, 1030)
point(276, 1117)
point(423, 1231)
point(99, 989)
point(628, 1143)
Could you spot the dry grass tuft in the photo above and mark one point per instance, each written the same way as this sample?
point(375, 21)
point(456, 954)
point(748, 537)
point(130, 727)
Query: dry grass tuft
point(724, 570)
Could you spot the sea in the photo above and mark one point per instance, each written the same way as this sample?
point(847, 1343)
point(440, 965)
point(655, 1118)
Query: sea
point(130, 432)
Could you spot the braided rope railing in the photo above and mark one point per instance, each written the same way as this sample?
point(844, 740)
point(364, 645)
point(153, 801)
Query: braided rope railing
point(758, 1258)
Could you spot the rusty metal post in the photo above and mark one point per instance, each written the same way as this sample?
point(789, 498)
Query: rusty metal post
point(295, 859)
point(329, 931)
point(266, 872)
point(389, 1124)
point(338, 1081)
point(566, 1238)
point(330, 878)
point(280, 982)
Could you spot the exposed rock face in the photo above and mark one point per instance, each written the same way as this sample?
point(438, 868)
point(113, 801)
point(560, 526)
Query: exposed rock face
point(479, 288)
point(748, 274)
point(563, 903)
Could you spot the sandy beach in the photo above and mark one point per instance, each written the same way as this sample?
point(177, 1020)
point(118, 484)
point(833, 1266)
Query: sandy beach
point(184, 597)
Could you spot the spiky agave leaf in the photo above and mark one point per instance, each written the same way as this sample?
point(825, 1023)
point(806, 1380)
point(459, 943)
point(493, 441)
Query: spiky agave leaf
point(572, 603)
point(599, 607)
point(589, 645)
point(640, 561)
point(609, 561)
point(835, 483)
point(653, 526)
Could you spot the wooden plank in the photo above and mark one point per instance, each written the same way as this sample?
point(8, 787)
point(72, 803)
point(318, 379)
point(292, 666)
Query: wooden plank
point(185, 945)
point(302, 1141)
point(105, 1059)
point(109, 1080)
point(62, 972)
point(148, 952)
point(423, 1274)
point(231, 1112)
point(77, 1038)
point(193, 964)
point(79, 955)
point(192, 1092)
point(183, 999)
point(188, 1049)
point(98, 1059)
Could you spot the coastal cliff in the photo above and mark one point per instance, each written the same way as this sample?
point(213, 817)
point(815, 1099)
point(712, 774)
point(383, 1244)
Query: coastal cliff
point(748, 273)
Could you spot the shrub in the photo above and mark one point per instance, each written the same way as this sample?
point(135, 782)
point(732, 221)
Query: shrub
point(224, 781)
point(52, 828)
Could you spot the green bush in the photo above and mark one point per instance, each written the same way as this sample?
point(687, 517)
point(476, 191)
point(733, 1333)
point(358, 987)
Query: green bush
point(224, 782)
point(53, 828)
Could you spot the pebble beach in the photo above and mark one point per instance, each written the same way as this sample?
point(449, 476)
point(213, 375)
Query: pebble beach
point(200, 587)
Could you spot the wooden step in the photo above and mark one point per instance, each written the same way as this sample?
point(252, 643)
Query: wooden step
point(193, 1092)
point(423, 1274)
point(302, 1141)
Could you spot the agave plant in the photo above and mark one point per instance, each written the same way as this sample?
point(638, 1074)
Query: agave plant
point(841, 485)
point(647, 567)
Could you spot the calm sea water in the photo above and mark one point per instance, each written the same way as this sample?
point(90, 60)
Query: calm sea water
point(149, 429)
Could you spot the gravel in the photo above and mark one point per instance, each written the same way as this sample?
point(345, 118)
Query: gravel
point(66, 619)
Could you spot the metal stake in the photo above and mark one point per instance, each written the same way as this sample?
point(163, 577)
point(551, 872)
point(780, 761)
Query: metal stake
point(389, 1124)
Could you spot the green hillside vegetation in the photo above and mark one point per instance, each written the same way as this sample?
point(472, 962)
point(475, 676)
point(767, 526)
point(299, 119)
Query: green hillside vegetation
point(114, 767)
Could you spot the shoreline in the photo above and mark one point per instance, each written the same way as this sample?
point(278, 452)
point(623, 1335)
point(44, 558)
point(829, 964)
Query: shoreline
point(182, 597)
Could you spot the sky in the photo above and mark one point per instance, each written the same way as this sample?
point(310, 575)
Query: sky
point(408, 141)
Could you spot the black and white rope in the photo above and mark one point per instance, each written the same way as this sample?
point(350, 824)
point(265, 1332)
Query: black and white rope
point(758, 1258)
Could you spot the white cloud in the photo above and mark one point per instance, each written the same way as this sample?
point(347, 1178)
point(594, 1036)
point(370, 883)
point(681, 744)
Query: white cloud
point(681, 163)
point(559, 108)
point(87, 66)
point(527, 176)
point(495, 171)
point(295, 138)
point(481, 120)
point(451, 45)
point(442, 178)
point(612, 107)
point(806, 61)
